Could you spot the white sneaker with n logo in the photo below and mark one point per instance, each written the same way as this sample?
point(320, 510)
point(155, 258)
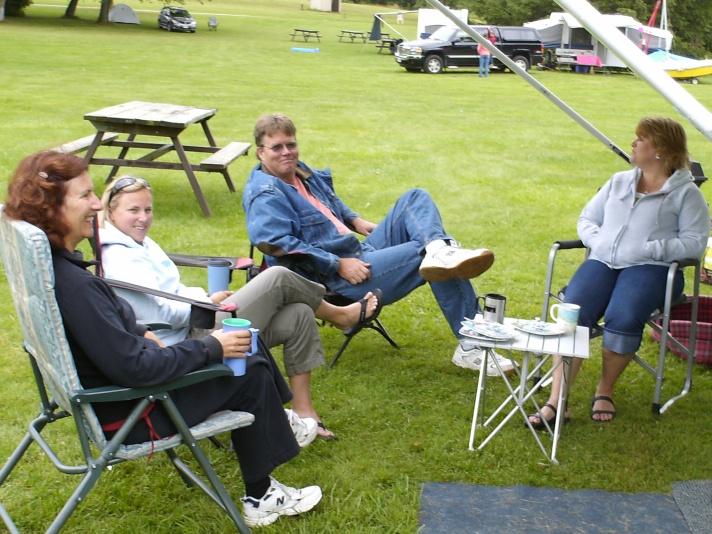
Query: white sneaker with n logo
point(445, 261)
point(279, 500)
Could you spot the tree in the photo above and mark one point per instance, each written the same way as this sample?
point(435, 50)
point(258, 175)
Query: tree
point(16, 8)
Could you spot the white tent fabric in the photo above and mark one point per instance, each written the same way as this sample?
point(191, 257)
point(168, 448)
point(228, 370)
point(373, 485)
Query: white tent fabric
point(123, 14)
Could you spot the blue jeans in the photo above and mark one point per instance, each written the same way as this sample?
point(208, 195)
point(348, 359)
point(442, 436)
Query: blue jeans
point(395, 250)
point(625, 298)
point(485, 61)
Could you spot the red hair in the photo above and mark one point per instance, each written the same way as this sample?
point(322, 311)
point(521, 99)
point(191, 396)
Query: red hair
point(36, 192)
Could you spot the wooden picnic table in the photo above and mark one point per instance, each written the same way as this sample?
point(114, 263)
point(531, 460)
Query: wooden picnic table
point(352, 35)
point(153, 120)
point(306, 34)
point(385, 42)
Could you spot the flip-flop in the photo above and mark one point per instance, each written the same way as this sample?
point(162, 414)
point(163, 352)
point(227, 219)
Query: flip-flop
point(602, 412)
point(362, 319)
point(327, 438)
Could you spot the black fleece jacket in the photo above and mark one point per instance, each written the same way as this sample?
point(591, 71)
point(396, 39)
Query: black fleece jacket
point(108, 345)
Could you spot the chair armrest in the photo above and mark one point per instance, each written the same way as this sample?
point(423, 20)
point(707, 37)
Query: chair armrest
point(192, 260)
point(172, 296)
point(687, 263)
point(157, 325)
point(121, 393)
point(569, 244)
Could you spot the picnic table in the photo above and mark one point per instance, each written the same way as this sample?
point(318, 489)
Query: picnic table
point(385, 42)
point(153, 120)
point(306, 34)
point(352, 35)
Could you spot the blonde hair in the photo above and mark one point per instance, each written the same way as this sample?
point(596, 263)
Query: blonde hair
point(668, 139)
point(111, 195)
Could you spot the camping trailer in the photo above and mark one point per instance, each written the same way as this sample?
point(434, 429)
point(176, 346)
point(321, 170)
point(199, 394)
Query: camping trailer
point(565, 38)
point(430, 20)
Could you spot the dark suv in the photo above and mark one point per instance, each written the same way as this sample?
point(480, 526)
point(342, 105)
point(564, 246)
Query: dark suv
point(451, 47)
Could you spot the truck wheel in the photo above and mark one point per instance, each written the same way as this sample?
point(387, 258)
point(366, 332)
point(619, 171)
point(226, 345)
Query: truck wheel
point(521, 62)
point(433, 65)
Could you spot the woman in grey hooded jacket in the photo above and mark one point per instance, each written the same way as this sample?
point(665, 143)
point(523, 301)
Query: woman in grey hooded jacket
point(635, 226)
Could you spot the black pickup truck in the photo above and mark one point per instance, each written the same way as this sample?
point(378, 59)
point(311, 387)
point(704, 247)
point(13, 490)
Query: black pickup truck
point(451, 47)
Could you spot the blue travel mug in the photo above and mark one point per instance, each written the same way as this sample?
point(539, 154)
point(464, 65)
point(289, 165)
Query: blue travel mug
point(218, 275)
point(239, 365)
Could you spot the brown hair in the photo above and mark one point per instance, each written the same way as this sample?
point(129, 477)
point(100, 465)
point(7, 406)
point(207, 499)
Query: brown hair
point(109, 200)
point(271, 124)
point(36, 192)
point(668, 139)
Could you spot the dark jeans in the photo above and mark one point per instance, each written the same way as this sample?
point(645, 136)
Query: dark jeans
point(267, 443)
point(625, 298)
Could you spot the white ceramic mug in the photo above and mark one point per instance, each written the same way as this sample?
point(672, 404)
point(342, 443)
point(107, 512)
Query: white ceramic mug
point(566, 315)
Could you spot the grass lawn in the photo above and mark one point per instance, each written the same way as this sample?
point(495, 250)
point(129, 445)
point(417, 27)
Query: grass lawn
point(509, 171)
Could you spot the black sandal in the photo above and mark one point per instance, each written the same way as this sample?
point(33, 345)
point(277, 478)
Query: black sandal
point(602, 412)
point(364, 321)
point(540, 425)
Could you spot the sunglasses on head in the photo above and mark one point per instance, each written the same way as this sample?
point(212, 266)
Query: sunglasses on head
point(125, 182)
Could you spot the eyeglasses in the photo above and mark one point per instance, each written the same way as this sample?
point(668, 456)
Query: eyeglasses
point(125, 182)
point(280, 147)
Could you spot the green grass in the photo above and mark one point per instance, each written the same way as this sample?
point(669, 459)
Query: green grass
point(508, 170)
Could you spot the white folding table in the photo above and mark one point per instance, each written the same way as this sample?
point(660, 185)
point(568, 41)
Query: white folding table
point(567, 346)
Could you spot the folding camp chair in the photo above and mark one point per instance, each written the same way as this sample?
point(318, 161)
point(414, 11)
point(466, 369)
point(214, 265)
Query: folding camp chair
point(659, 321)
point(28, 266)
point(212, 23)
point(303, 264)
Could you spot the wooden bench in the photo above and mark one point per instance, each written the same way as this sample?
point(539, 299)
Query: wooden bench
point(306, 34)
point(219, 160)
point(385, 43)
point(80, 145)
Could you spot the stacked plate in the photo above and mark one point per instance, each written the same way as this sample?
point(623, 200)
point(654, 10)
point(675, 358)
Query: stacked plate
point(539, 328)
point(486, 331)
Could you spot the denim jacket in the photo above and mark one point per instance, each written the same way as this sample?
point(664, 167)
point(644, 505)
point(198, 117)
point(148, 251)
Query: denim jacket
point(280, 221)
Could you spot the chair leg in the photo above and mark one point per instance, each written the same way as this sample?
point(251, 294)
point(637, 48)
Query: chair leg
point(378, 327)
point(340, 351)
point(375, 325)
point(216, 490)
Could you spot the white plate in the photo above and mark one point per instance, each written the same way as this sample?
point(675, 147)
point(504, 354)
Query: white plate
point(488, 330)
point(474, 335)
point(540, 328)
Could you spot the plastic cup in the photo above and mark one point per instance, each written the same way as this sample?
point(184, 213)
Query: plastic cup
point(218, 275)
point(239, 365)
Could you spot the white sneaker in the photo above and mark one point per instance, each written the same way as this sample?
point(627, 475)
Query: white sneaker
point(471, 358)
point(444, 262)
point(279, 500)
point(304, 429)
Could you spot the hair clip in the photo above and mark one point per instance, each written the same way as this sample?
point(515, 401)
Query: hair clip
point(43, 175)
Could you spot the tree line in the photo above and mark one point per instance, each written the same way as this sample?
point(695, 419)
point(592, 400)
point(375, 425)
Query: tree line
point(690, 21)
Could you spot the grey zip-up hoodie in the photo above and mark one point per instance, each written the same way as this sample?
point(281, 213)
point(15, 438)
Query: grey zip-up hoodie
point(659, 228)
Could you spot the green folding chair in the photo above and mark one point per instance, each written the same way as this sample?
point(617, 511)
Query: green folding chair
point(28, 266)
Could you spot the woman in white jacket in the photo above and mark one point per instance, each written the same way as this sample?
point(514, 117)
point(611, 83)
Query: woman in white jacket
point(635, 226)
point(280, 303)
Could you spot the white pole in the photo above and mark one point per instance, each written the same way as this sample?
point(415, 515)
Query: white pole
point(641, 64)
point(529, 79)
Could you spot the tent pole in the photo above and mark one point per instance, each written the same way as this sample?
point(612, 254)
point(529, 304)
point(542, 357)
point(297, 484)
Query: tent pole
point(531, 80)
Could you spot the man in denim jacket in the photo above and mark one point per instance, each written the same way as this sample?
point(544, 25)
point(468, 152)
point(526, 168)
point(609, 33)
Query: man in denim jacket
point(292, 208)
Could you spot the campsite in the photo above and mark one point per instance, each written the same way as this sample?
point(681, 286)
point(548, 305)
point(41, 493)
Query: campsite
point(510, 172)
